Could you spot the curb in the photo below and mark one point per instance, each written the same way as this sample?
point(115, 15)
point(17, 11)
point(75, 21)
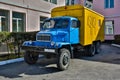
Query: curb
point(14, 61)
point(116, 45)
point(11, 61)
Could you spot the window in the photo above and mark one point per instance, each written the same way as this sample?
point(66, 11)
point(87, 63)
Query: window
point(66, 2)
point(45, 0)
point(69, 2)
point(56, 23)
point(75, 24)
point(52, 1)
point(89, 4)
point(90, 0)
point(109, 27)
point(49, 24)
point(61, 23)
point(42, 18)
point(72, 2)
point(18, 22)
point(4, 20)
point(109, 3)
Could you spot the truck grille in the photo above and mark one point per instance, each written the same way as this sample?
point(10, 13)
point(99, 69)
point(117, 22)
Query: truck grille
point(43, 37)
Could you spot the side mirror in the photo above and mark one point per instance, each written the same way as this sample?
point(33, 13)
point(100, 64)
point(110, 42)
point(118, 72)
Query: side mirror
point(78, 24)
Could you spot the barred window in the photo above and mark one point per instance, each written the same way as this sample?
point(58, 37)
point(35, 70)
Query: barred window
point(109, 3)
point(52, 1)
point(109, 27)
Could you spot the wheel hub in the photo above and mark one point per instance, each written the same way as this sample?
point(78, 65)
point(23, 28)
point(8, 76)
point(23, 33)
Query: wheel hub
point(65, 60)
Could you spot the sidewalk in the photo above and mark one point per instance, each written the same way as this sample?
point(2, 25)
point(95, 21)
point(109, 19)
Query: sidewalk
point(116, 45)
point(14, 60)
point(11, 61)
point(4, 62)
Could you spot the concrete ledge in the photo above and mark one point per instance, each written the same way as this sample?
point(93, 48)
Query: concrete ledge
point(14, 60)
point(11, 61)
point(116, 45)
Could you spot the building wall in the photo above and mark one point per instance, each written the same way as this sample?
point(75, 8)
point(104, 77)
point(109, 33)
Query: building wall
point(32, 10)
point(79, 2)
point(110, 14)
point(40, 5)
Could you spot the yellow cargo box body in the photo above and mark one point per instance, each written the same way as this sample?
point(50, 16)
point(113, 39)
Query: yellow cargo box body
point(91, 22)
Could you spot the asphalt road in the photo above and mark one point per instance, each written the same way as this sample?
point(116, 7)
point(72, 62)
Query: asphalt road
point(103, 66)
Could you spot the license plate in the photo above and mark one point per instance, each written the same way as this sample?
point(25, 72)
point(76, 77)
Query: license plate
point(49, 50)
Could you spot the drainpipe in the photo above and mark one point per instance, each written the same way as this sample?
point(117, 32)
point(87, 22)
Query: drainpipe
point(85, 2)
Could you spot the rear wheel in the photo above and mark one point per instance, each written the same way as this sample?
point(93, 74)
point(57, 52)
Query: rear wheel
point(63, 59)
point(97, 47)
point(30, 57)
point(90, 50)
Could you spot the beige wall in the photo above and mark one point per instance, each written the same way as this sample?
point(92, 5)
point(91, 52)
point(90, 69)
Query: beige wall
point(33, 20)
point(33, 9)
point(40, 5)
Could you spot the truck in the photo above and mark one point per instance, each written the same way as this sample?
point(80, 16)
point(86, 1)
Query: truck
point(70, 29)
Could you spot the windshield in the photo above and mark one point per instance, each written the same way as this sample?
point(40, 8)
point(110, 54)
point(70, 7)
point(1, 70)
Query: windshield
point(55, 23)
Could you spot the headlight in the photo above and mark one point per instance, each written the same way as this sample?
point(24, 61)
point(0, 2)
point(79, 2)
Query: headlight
point(30, 42)
point(52, 43)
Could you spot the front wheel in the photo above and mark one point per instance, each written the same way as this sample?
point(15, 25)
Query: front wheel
point(63, 59)
point(30, 57)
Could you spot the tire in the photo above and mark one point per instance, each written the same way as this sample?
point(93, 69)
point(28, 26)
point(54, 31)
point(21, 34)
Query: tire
point(90, 50)
point(30, 57)
point(97, 47)
point(63, 59)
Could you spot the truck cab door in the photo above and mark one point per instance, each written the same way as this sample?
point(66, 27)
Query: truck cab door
point(74, 32)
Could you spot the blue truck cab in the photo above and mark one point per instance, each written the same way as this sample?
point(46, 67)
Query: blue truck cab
point(56, 32)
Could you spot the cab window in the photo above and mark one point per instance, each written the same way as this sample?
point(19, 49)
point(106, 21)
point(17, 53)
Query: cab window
point(75, 24)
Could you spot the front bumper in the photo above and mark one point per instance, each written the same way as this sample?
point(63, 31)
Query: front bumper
point(40, 49)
